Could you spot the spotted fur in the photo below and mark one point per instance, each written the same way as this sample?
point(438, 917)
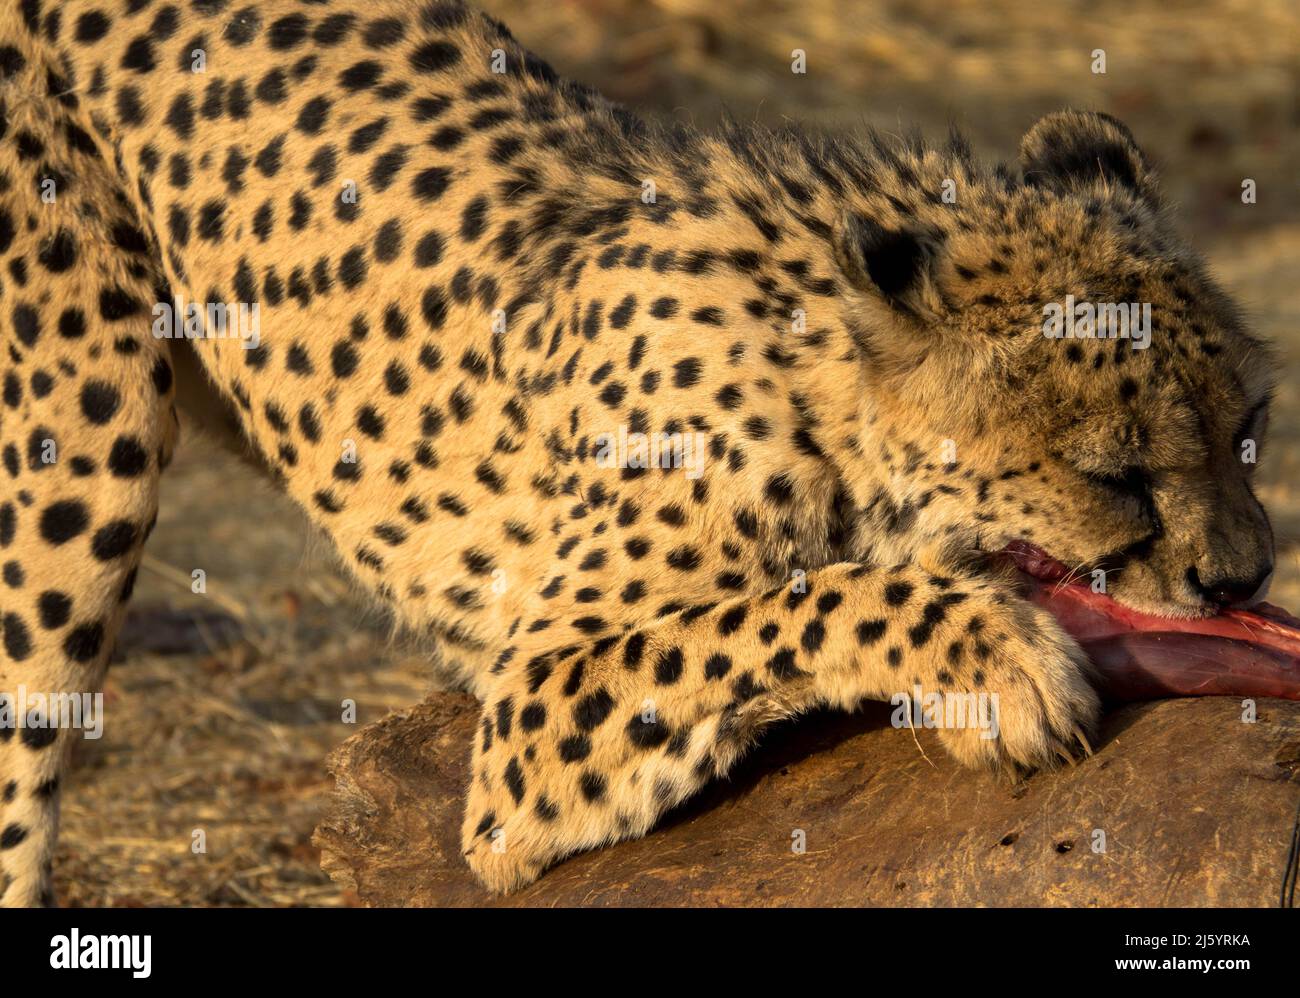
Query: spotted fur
point(503, 292)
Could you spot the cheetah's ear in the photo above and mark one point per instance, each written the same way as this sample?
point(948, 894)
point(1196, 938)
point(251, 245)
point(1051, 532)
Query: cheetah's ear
point(1069, 149)
point(894, 264)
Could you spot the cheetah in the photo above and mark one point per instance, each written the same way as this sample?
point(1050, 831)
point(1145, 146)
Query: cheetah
point(662, 434)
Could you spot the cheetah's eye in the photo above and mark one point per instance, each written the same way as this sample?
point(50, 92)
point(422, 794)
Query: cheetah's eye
point(1132, 482)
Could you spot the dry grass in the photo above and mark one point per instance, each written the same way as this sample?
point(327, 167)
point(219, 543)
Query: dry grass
point(230, 739)
point(226, 739)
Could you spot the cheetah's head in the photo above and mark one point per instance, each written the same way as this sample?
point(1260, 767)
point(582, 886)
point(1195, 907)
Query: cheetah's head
point(1134, 455)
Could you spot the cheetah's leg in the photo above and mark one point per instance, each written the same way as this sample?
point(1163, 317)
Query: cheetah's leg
point(580, 749)
point(85, 426)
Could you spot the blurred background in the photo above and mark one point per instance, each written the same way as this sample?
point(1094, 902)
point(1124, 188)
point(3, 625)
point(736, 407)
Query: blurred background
point(223, 706)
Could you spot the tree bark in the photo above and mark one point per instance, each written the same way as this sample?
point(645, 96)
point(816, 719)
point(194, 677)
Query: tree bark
point(1184, 804)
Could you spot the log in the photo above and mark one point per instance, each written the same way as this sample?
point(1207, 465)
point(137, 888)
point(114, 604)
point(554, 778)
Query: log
point(1196, 808)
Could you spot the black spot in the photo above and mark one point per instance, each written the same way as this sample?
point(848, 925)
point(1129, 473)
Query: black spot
point(84, 641)
point(311, 119)
point(686, 372)
point(14, 833)
point(716, 666)
point(898, 593)
point(546, 808)
point(360, 76)
point(782, 664)
point(243, 27)
point(115, 303)
point(333, 29)
point(592, 786)
point(433, 307)
point(592, 710)
point(211, 223)
point(11, 61)
point(647, 734)
point(352, 268)
point(514, 778)
point(17, 639)
point(684, 559)
point(532, 717)
point(127, 459)
point(870, 631)
point(730, 621)
point(813, 636)
point(447, 138)
point(435, 56)
point(747, 524)
point(130, 110)
point(139, 55)
point(431, 183)
point(343, 359)
point(428, 251)
point(932, 615)
point(39, 738)
point(99, 401)
point(633, 650)
point(370, 422)
point(53, 609)
point(62, 521)
point(59, 254)
point(474, 219)
point(828, 601)
point(388, 241)
point(384, 32)
point(364, 138)
point(287, 33)
point(505, 714)
point(113, 540)
point(574, 748)
point(664, 308)
point(622, 313)
point(26, 325)
point(780, 489)
point(668, 667)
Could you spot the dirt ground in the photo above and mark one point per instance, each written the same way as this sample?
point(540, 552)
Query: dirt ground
point(222, 706)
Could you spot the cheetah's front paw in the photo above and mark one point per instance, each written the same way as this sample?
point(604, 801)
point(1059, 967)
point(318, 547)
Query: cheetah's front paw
point(1043, 707)
point(502, 844)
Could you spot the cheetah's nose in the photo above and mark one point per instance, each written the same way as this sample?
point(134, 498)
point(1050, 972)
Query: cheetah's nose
point(1233, 592)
